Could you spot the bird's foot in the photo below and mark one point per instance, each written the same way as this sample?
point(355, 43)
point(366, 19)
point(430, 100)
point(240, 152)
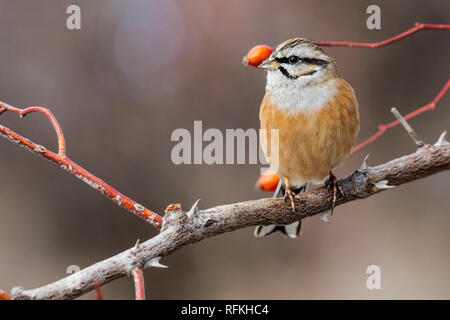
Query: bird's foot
point(334, 187)
point(290, 195)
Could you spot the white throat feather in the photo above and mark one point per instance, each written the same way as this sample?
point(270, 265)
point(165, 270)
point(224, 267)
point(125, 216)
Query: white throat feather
point(303, 95)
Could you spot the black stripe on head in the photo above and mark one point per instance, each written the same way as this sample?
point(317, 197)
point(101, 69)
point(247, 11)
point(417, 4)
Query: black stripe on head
point(287, 74)
point(290, 76)
point(282, 60)
point(317, 62)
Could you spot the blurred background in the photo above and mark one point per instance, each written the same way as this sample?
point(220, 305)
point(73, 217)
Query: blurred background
point(137, 70)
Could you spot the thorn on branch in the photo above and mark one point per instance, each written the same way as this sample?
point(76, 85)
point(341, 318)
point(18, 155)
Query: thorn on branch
point(136, 246)
point(154, 262)
point(408, 128)
point(325, 218)
point(364, 165)
point(383, 185)
point(194, 210)
point(442, 141)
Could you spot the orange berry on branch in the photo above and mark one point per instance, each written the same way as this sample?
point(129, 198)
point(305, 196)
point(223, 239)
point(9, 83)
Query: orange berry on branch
point(257, 55)
point(268, 181)
point(4, 295)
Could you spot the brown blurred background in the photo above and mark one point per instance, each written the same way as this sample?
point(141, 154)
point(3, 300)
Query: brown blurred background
point(137, 70)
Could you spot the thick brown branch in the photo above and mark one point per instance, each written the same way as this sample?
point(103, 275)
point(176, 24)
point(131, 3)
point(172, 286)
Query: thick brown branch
point(181, 228)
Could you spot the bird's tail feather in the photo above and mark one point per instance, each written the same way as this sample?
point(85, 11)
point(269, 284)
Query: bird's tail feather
point(293, 230)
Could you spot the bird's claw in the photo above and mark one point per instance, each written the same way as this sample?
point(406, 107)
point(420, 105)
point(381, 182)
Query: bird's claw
point(289, 195)
point(334, 187)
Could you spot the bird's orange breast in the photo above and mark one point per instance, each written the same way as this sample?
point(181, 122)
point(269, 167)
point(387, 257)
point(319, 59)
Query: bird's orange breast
point(310, 144)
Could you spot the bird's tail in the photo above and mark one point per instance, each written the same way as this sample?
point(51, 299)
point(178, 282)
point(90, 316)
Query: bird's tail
point(293, 230)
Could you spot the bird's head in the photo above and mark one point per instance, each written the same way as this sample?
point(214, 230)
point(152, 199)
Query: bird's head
point(298, 62)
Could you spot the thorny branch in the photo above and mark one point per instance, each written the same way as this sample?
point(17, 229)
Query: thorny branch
point(182, 228)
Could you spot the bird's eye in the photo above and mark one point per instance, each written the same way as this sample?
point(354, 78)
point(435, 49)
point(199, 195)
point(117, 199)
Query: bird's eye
point(293, 59)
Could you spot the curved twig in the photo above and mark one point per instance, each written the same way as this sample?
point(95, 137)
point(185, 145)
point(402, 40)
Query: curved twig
point(23, 112)
point(68, 165)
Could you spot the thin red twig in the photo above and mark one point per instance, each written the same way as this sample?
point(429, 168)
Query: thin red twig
point(98, 291)
point(138, 277)
point(384, 127)
point(4, 295)
point(416, 28)
point(65, 163)
point(23, 112)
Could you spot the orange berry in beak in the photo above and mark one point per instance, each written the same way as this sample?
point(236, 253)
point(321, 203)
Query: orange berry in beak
point(257, 55)
point(268, 181)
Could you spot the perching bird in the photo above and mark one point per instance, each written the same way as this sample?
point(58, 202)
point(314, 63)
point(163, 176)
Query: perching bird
point(316, 114)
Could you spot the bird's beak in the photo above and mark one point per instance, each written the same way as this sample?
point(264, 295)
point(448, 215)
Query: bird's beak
point(269, 64)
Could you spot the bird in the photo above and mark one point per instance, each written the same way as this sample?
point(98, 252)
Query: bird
point(309, 122)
